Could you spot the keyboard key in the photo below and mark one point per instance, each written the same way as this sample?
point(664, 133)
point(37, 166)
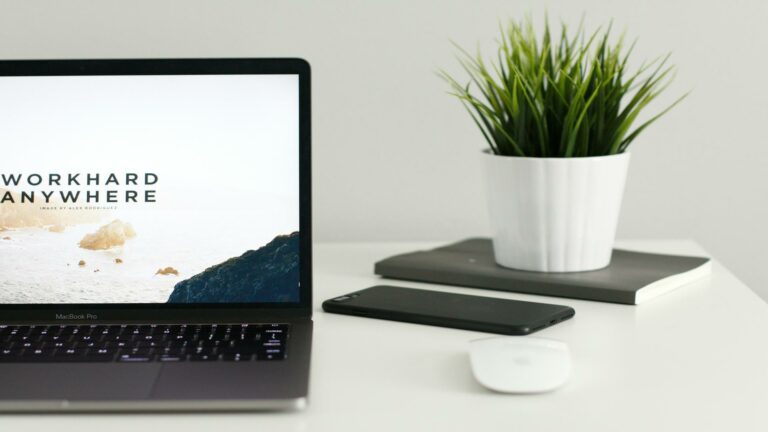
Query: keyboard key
point(270, 356)
point(136, 351)
point(133, 358)
point(236, 357)
point(171, 358)
point(10, 355)
point(203, 357)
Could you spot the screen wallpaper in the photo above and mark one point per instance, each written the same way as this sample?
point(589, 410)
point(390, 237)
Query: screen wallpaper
point(149, 189)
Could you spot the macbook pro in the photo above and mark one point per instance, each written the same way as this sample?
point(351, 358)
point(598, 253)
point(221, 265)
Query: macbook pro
point(155, 245)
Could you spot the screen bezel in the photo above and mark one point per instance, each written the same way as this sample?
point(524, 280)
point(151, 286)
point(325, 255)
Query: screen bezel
point(192, 312)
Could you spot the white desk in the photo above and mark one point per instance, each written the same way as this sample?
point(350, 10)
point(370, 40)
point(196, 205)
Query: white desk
point(693, 360)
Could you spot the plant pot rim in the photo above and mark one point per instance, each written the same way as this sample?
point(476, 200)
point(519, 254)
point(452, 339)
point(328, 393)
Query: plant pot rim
point(488, 152)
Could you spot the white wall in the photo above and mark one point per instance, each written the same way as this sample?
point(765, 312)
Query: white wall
point(397, 159)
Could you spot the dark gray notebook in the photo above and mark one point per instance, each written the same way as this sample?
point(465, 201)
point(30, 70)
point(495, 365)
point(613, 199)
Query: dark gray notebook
point(631, 278)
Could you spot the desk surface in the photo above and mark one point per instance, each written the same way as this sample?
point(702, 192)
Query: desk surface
point(694, 359)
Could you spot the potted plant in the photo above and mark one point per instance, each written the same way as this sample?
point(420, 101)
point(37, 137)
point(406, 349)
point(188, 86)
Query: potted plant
point(557, 113)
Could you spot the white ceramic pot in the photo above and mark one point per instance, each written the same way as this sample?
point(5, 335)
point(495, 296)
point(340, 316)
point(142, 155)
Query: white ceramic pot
point(554, 214)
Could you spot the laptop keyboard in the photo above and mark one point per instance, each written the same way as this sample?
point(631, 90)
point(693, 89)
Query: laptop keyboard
point(142, 343)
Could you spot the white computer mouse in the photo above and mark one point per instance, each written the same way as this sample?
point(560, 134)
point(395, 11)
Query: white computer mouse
point(517, 364)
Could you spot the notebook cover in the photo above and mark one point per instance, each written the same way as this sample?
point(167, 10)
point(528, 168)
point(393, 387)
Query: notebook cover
point(471, 263)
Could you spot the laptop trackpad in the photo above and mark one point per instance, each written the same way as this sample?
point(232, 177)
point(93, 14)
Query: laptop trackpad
point(78, 381)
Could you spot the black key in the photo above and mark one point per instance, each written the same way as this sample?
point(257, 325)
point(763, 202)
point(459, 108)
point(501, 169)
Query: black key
point(186, 331)
point(171, 358)
point(175, 344)
point(36, 331)
point(219, 331)
point(39, 352)
point(7, 345)
point(74, 352)
point(202, 329)
point(83, 344)
point(146, 344)
point(205, 351)
point(22, 330)
point(209, 343)
point(10, 355)
point(132, 358)
point(57, 338)
point(141, 352)
point(68, 330)
point(236, 357)
point(273, 351)
point(272, 344)
point(102, 351)
point(203, 357)
point(251, 331)
point(123, 337)
point(49, 333)
point(274, 334)
point(264, 356)
point(178, 352)
point(114, 330)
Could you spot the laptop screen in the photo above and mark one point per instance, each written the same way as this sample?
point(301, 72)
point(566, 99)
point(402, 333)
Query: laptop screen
point(149, 189)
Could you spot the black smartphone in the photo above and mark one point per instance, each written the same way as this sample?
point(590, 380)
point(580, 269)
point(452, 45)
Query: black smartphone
point(485, 314)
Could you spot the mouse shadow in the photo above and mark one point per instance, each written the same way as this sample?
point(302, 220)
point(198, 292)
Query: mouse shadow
point(453, 372)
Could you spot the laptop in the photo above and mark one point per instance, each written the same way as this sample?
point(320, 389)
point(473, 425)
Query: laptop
point(155, 244)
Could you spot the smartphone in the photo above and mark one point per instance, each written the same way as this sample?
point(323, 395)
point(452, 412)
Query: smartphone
point(468, 312)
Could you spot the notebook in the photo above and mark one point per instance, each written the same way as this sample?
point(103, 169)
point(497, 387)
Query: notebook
point(631, 278)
